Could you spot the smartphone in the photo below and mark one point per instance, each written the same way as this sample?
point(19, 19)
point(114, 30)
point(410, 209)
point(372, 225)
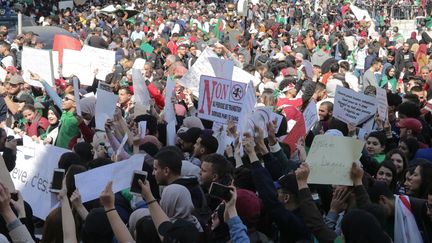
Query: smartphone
point(57, 180)
point(19, 142)
point(220, 191)
point(137, 175)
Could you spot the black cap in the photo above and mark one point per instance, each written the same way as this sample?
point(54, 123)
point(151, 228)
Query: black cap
point(191, 135)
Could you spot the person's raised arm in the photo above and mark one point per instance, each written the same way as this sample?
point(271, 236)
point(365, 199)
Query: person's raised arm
point(68, 222)
point(157, 214)
point(362, 197)
point(17, 231)
point(238, 231)
point(120, 230)
point(77, 204)
point(311, 214)
point(50, 91)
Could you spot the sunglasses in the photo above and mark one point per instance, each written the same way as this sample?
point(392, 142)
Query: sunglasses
point(67, 99)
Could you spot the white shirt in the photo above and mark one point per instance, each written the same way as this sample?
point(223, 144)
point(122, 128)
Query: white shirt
point(137, 35)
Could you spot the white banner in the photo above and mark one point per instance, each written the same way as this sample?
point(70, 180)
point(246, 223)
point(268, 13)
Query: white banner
point(37, 61)
point(352, 107)
point(119, 172)
point(32, 175)
point(100, 59)
point(106, 103)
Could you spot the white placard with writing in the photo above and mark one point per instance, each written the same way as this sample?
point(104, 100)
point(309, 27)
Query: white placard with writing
point(101, 60)
point(56, 64)
point(352, 107)
point(221, 99)
point(37, 61)
point(76, 63)
point(120, 173)
point(32, 175)
point(330, 159)
point(310, 115)
point(106, 103)
point(381, 96)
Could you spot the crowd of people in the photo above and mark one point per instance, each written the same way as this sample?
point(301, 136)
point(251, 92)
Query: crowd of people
point(299, 52)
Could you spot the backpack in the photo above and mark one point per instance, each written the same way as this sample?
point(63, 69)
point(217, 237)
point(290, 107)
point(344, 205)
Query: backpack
point(203, 214)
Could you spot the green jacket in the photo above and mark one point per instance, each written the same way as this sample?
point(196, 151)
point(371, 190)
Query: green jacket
point(68, 130)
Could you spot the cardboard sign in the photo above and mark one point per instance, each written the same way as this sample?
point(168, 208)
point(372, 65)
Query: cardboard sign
point(381, 97)
point(310, 115)
point(120, 173)
point(106, 103)
point(100, 59)
point(221, 99)
point(330, 159)
point(32, 175)
point(352, 107)
point(40, 62)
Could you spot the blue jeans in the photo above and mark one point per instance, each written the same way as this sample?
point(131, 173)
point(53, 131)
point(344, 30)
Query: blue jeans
point(359, 74)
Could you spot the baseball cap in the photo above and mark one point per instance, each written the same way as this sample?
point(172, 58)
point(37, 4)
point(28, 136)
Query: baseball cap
point(287, 182)
point(410, 123)
point(191, 135)
point(16, 79)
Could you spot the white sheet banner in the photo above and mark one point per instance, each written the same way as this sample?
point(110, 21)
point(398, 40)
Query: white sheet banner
point(76, 63)
point(32, 175)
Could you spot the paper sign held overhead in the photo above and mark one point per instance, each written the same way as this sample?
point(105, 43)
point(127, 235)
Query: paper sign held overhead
point(77, 96)
point(100, 59)
point(310, 115)
point(330, 159)
point(105, 107)
point(76, 64)
point(352, 107)
point(37, 61)
point(221, 99)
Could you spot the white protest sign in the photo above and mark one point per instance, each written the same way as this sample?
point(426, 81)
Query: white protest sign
point(32, 176)
point(310, 115)
point(65, 4)
point(120, 173)
point(330, 159)
point(3, 74)
point(352, 107)
point(221, 99)
point(191, 79)
point(56, 64)
point(139, 63)
point(142, 128)
point(37, 61)
point(223, 68)
point(169, 112)
point(106, 103)
point(77, 96)
point(141, 93)
point(381, 96)
point(101, 60)
point(76, 63)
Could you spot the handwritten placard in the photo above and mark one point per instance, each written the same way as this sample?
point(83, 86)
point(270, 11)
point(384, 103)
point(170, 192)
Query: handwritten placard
point(352, 107)
point(330, 159)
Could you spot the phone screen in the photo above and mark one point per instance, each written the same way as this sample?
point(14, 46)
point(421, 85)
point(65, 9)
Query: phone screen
point(220, 191)
point(57, 180)
point(135, 187)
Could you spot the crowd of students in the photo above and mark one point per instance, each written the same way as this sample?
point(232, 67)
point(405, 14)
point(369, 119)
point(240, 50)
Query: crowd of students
point(297, 55)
